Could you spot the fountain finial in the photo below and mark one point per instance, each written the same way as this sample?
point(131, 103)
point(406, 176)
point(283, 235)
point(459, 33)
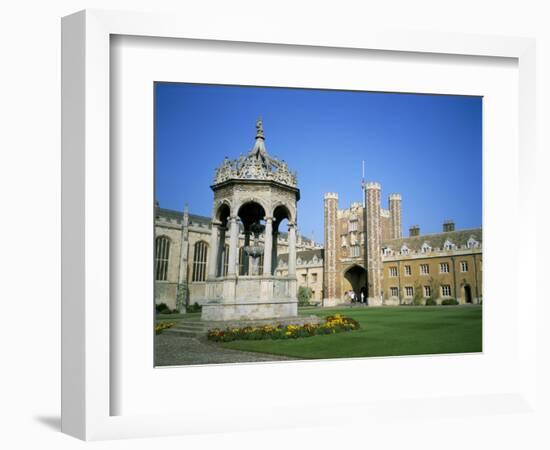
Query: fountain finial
point(259, 129)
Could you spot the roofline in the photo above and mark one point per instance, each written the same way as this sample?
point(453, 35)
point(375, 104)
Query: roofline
point(434, 234)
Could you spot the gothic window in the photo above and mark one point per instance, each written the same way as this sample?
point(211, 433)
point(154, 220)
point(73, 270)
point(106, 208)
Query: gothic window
point(424, 269)
point(464, 266)
point(408, 271)
point(162, 253)
point(354, 251)
point(408, 291)
point(314, 277)
point(393, 271)
point(352, 225)
point(394, 292)
point(199, 261)
point(444, 267)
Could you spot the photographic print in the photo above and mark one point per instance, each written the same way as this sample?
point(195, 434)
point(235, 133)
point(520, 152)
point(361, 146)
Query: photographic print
point(297, 224)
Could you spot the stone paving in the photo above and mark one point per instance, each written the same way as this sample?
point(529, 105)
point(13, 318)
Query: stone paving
point(172, 350)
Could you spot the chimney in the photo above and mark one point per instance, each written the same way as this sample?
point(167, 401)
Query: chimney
point(414, 231)
point(448, 225)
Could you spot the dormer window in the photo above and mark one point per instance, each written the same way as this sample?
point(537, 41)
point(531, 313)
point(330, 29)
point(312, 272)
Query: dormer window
point(425, 248)
point(387, 251)
point(448, 245)
point(404, 250)
point(472, 243)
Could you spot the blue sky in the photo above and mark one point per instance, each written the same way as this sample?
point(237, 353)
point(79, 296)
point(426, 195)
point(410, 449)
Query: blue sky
point(425, 147)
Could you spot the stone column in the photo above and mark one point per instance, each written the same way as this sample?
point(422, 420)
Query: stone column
point(233, 246)
point(214, 246)
point(221, 251)
point(292, 250)
point(182, 294)
point(274, 251)
point(268, 245)
point(184, 248)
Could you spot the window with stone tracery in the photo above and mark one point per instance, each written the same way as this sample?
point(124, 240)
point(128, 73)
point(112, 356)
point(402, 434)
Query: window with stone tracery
point(162, 253)
point(200, 255)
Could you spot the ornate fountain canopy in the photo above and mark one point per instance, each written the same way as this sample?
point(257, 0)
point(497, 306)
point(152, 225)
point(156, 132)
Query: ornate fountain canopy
point(256, 165)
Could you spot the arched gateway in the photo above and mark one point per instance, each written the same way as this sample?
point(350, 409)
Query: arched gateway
point(355, 279)
point(254, 193)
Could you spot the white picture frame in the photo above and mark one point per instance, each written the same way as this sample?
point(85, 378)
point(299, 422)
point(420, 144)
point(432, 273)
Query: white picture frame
point(87, 356)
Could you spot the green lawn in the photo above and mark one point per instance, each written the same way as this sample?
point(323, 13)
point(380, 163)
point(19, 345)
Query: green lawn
point(385, 332)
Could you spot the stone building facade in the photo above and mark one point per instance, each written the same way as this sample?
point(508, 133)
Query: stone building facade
point(366, 253)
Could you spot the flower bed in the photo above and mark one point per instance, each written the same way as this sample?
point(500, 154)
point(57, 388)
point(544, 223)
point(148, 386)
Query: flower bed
point(333, 324)
point(162, 326)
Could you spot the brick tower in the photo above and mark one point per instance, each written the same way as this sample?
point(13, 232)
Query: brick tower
point(373, 237)
point(395, 216)
point(331, 248)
